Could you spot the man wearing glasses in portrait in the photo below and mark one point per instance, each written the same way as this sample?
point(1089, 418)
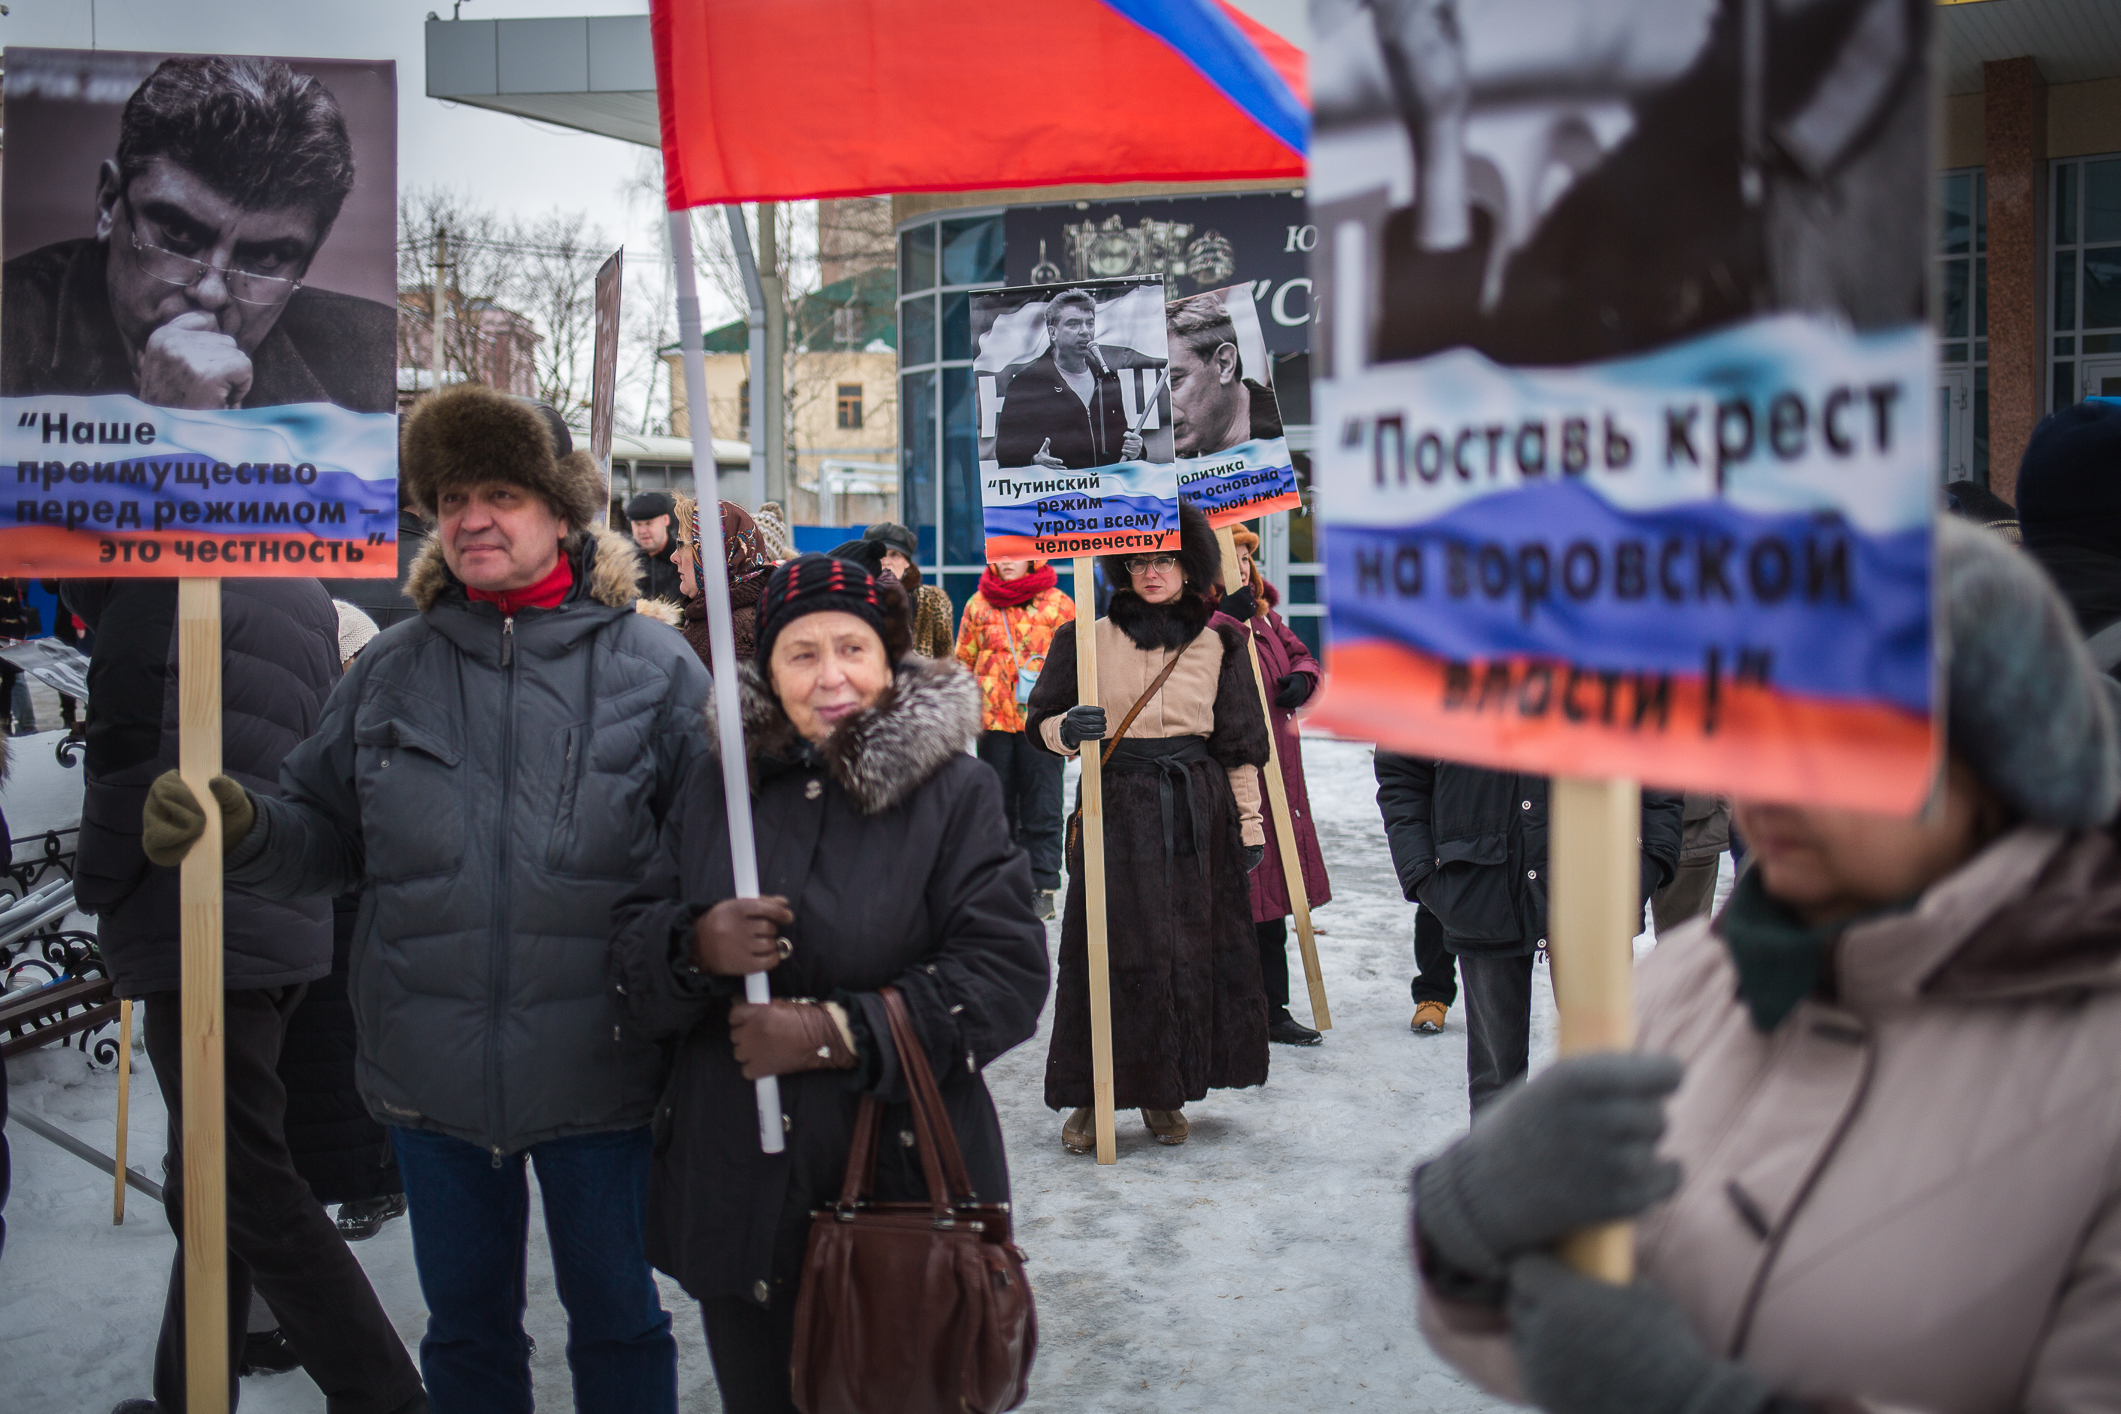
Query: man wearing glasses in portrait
point(228, 175)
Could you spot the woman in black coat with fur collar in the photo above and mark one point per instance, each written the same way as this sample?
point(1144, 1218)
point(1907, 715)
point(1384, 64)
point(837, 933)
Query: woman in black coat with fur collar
point(888, 861)
point(1182, 829)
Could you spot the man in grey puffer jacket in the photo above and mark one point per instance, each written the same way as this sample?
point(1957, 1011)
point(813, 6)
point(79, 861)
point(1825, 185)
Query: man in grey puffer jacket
point(492, 776)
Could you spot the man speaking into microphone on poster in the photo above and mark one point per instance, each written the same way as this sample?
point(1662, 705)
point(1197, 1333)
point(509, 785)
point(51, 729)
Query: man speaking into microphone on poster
point(1064, 409)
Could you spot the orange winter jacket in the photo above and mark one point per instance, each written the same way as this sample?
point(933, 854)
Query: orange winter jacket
point(983, 646)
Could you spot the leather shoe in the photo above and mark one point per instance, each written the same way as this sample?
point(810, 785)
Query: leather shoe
point(1079, 1132)
point(358, 1221)
point(1288, 1031)
point(268, 1353)
point(1169, 1126)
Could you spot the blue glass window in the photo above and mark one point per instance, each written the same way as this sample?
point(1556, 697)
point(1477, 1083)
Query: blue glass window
point(972, 250)
point(916, 260)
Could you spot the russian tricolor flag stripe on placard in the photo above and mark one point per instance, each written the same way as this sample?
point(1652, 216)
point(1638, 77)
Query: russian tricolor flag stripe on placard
point(782, 100)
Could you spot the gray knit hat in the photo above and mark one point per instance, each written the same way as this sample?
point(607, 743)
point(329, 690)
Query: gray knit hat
point(2027, 710)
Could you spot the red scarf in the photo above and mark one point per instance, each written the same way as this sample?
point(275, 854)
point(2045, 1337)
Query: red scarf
point(1008, 593)
point(545, 594)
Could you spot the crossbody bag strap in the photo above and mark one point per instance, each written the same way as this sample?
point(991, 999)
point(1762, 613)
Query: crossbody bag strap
point(1010, 633)
point(1154, 688)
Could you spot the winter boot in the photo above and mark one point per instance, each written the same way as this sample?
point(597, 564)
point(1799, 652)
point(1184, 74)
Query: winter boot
point(268, 1353)
point(1169, 1126)
point(1428, 1017)
point(362, 1220)
point(1079, 1133)
point(1288, 1031)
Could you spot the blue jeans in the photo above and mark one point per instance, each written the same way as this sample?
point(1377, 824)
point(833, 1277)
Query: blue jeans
point(470, 1225)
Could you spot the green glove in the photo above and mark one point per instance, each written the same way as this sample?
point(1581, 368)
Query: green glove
point(173, 820)
point(1584, 1347)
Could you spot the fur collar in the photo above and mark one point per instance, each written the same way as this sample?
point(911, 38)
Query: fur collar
point(1159, 626)
point(929, 714)
point(613, 579)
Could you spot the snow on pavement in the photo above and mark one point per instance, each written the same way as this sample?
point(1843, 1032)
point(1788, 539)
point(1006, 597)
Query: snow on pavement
point(1261, 1266)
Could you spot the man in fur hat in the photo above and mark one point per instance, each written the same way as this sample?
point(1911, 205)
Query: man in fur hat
point(493, 776)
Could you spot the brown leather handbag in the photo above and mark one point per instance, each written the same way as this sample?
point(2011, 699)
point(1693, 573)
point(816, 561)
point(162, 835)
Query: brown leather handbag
point(912, 1308)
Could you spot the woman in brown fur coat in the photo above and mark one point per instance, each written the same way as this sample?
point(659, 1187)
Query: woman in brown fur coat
point(1182, 829)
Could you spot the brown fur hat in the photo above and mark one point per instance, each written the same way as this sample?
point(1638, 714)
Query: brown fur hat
point(468, 434)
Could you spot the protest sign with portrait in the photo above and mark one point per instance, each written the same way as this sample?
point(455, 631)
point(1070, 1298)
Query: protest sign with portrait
point(1626, 457)
point(198, 326)
point(1233, 461)
point(1075, 439)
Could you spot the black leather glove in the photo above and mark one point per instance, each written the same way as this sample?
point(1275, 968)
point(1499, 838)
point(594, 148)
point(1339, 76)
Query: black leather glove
point(1082, 724)
point(1586, 1347)
point(1293, 691)
point(1241, 605)
point(1254, 853)
point(1575, 1148)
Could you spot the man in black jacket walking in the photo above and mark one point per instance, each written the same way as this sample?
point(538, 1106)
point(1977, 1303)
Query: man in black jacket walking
point(1470, 845)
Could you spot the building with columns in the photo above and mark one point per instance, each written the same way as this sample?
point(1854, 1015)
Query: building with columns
point(2028, 292)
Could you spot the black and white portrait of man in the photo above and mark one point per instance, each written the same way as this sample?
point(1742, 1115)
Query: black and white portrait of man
point(1088, 391)
point(187, 286)
point(1566, 183)
point(1215, 406)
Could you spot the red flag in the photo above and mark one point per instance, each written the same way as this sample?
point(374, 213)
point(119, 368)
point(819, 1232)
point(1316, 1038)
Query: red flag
point(781, 100)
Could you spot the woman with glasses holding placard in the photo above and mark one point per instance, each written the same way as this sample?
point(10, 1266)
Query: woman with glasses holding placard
point(1183, 740)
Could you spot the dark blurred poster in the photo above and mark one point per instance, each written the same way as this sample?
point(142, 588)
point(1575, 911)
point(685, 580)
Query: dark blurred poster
point(604, 373)
point(1196, 243)
point(198, 323)
point(1626, 436)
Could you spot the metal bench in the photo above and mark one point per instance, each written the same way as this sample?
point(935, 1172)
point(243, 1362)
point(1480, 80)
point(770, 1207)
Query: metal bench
point(74, 1000)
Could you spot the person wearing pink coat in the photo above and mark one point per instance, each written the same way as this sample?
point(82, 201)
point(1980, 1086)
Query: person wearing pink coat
point(1292, 675)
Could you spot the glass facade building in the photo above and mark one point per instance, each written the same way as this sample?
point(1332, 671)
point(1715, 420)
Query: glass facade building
point(944, 257)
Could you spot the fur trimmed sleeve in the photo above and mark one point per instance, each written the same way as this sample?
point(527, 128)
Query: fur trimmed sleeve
point(1053, 694)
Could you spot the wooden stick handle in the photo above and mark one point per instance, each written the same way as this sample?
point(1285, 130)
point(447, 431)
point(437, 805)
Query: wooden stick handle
point(1094, 921)
point(205, 1159)
point(1277, 793)
point(1595, 911)
point(125, 1095)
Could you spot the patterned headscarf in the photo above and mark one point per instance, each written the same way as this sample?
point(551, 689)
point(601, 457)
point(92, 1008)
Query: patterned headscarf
point(743, 550)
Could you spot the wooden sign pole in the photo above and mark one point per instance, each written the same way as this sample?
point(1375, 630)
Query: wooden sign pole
point(205, 1159)
point(1277, 791)
point(1094, 921)
point(1595, 911)
point(125, 1095)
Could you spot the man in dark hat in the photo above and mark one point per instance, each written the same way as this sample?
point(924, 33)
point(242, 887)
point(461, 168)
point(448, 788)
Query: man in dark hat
point(649, 513)
point(491, 827)
point(2069, 510)
point(934, 621)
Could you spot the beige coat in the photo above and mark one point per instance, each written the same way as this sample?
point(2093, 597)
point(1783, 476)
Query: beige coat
point(1185, 706)
point(1908, 1199)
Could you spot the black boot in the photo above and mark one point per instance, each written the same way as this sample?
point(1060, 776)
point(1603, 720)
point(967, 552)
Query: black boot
point(364, 1219)
point(1288, 1031)
point(268, 1353)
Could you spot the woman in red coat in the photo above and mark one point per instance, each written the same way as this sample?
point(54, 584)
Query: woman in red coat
point(1291, 675)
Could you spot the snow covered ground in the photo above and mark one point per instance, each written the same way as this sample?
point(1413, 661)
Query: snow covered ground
point(1262, 1266)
